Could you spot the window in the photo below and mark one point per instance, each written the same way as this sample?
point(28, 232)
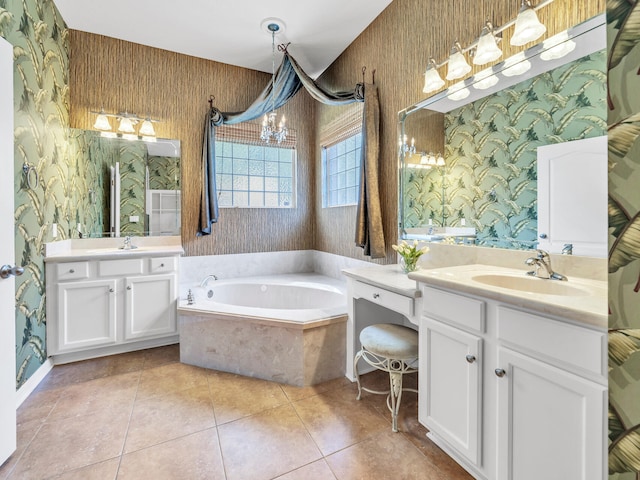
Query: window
point(252, 174)
point(341, 141)
point(341, 172)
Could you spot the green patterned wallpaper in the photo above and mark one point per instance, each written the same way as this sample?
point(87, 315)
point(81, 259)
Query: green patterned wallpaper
point(164, 173)
point(490, 151)
point(41, 97)
point(623, 20)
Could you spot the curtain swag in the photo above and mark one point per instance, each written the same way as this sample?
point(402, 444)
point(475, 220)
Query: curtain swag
point(289, 79)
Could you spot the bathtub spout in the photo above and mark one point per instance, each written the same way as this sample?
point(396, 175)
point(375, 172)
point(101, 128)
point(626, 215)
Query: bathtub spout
point(206, 279)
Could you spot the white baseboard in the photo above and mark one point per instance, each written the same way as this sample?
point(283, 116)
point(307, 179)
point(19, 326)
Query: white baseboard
point(33, 381)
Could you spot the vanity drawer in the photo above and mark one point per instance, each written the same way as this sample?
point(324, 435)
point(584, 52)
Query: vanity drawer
point(162, 264)
point(392, 301)
point(72, 271)
point(578, 347)
point(454, 309)
point(125, 266)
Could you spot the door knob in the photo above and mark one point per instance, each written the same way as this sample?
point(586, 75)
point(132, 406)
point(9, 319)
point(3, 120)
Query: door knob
point(6, 271)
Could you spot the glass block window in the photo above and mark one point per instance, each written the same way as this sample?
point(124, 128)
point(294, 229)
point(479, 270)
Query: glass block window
point(251, 174)
point(341, 172)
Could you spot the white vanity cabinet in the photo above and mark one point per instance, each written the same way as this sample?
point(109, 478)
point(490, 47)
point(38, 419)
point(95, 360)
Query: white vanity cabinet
point(110, 305)
point(511, 394)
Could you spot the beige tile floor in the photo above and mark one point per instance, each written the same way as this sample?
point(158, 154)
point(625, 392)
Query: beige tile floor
point(144, 415)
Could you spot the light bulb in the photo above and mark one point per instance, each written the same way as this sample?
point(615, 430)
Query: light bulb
point(146, 129)
point(432, 79)
point(487, 49)
point(458, 66)
point(126, 125)
point(528, 27)
point(102, 122)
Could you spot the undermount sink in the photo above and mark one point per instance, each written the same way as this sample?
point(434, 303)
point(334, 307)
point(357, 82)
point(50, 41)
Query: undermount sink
point(530, 284)
point(113, 250)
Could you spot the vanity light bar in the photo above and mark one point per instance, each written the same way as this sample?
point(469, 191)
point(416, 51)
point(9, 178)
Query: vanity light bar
point(432, 85)
point(126, 127)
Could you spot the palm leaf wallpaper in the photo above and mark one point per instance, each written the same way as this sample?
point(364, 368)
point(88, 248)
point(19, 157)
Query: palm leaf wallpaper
point(41, 96)
point(623, 18)
point(490, 152)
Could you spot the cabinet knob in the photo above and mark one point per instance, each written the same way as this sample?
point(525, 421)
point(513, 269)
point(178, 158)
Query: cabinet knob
point(162, 265)
point(500, 372)
point(128, 287)
point(111, 290)
point(471, 358)
point(376, 295)
point(72, 271)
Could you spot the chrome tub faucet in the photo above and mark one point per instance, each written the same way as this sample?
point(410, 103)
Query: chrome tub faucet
point(206, 279)
point(542, 267)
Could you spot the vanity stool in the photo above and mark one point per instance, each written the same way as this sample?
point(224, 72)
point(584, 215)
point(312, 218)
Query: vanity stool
point(393, 349)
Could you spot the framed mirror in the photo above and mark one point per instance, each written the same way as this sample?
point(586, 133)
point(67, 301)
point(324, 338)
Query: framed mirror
point(468, 155)
point(123, 187)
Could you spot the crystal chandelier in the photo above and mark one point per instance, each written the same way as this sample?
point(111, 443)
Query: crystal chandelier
point(271, 129)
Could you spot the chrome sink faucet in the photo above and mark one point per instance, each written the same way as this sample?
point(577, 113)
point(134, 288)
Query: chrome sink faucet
point(127, 244)
point(206, 279)
point(542, 267)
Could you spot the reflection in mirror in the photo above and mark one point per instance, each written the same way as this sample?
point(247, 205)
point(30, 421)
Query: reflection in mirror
point(121, 187)
point(486, 191)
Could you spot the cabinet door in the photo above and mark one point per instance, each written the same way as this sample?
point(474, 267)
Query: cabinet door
point(450, 386)
point(150, 306)
point(86, 314)
point(551, 423)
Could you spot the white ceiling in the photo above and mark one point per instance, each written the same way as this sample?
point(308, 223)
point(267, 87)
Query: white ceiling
point(229, 31)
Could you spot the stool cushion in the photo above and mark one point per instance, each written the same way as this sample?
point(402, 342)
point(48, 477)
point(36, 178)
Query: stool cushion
point(391, 341)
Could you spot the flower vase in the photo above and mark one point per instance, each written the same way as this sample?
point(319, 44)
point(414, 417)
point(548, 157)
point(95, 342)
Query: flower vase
point(408, 266)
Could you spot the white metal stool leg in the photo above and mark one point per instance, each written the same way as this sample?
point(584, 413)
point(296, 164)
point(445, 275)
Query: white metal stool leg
point(396, 369)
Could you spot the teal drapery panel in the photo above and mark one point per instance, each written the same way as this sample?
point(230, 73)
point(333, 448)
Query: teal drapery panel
point(288, 80)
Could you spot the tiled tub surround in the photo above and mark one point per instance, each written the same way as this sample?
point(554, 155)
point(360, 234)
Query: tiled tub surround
point(286, 328)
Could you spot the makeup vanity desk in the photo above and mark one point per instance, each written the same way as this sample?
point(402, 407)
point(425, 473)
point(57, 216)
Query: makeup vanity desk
point(378, 295)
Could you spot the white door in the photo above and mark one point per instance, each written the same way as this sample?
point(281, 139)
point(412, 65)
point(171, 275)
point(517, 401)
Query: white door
point(572, 196)
point(7, 254)
point(551, 422)
point(450, 405)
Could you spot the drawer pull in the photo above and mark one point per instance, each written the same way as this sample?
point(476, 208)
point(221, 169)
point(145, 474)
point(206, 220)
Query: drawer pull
point(471, 358)
point(500, 372)
point(72, 271)
point(376, 295)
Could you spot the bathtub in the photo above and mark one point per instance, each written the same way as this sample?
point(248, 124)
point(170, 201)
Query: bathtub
point(297, 298)
point(285, 328)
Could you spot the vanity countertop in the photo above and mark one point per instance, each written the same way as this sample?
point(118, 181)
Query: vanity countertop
point(110, 248)
point(588, 307)
point(389, 277)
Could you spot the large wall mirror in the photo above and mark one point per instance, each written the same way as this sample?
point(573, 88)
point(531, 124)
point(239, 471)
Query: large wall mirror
point(468, 155)
point(123, 187)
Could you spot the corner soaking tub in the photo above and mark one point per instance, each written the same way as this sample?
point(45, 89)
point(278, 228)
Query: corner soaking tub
point(285, 328)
